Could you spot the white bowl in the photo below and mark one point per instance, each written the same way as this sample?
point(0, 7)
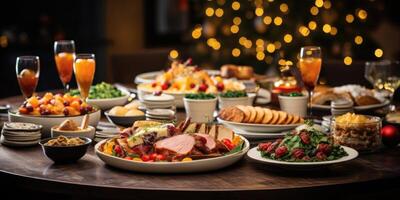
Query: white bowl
point(177, 95)
point(294, 105)
point(49, 121)
point(89, 132)
point(224, 102)
point(173, 167)
point(200, 110)
point(105, 104)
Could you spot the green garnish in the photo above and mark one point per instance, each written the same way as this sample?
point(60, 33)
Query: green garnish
point(309, 122)
point(101, 91)
point(293, 94)
point(200, 96)
point(233, 94)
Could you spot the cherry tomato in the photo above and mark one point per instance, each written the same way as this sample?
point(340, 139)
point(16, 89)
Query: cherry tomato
point(145, 158)
point(128, 158)
point(228, 143)
point(153, 156)
point(118, 149)
point(160, 157)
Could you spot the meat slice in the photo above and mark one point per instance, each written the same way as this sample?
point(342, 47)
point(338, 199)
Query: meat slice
point(210, 142)
point(179, 144)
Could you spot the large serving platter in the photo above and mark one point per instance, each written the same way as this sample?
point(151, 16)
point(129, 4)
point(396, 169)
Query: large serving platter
point(201, 165)
point(357, 108)
point(258, 127)
point(149, 77)
point(256, 155)
point(105, 104)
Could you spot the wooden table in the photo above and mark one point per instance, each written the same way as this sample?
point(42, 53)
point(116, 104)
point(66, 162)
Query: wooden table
point(369, 176)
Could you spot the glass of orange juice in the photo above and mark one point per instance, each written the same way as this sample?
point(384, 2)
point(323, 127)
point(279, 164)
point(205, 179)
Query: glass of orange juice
point(84, 68)
point(310, 67)
point(64, 53)
point(28, 71)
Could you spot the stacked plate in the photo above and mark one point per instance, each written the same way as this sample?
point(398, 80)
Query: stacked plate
point(326, 122)
point(20, 134)
point(163, 101)
point(105, 130)
point(160, 114)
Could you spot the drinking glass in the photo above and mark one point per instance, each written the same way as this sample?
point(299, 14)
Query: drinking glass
point(27, 69)
point(64, 53)
point(84, 68)
point(383, 75)
point(310, 67)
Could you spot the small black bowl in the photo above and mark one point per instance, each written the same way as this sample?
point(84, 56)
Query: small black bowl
point(125, 121)
point(65, 154)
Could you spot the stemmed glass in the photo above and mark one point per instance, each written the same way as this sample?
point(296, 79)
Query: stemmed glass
point(27, 69)
point(64, 53)
point(84, 68)
point(310, 67)
point(383, 75)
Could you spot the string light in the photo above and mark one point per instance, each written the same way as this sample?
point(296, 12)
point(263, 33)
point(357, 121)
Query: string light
point(260, 42)
point(267, 20)
point(235, 5)
point(219, 12)
point(237, 20)
point(196, 33)
point(173, 54)
point(282, 61)
point(242, 40)
point(314, 10)
point(358, 40)
point(234, 29)
point(327, 4)
point(312, 25)
point(270, 48)
point(212, 42)
point(327, 28)
point(259, 48)
point(347, 60)
point(319, 3)
point(378, 53)
point(362, 14)
point(209, 11)
point(260, 55)
point(278, 21)
point(284, 8)
point(235, 52)
point(288, 38)
point(259, 12)
point(333, 30)
point(248, 44)
point(304, 31)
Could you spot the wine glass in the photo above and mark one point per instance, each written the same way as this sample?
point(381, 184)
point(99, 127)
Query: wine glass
point(84, 68)
point(383, 75)
point(27, 69)
point(64, 53)
point(310, 67)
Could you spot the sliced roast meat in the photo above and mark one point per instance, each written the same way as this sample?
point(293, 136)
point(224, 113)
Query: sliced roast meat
point(210, 142)
point(179, 144)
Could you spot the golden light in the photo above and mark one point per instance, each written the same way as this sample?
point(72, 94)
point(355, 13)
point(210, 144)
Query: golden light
point(259, 48)
point(219, 12)
point(196, 33)
point(288, 38)
point(242, 40)
point(217, 46)
point(209, 11)
point(211, 42)
point(362, 14)
point(312, 25)
point(267, 20)
point(278, 21)
point(314, 10)
point(289, 63)
point(358, 40)
point(235, 52)
point(347, 60)
point(270, 48)
point(319, 3)
point(3, 41)
point(304, 31)
point(234, 29)
point(248, 44)
point(284, 7)
point(378, 53)
point(278, 45)
point(333, 30)
point(237, 20)
point(260, 42)
point(259, 11)
point(327, 4)
point(349, 18)
point(269, 59)
point(260, 55)
point(282, 61)
point(327, 28)
point(173, 54)
point(235, 5)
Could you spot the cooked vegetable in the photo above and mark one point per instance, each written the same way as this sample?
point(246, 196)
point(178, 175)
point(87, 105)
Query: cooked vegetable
point(234, 94)
point(101, 91)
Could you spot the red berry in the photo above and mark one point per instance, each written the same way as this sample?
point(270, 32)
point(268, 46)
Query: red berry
point(305, 138)
point(324, 148)
point(220, 86)
point(165, 86)
point(66, 103)
point(203, 88)
point(145, 158)
point(321, 156)
point(264, 146)
point(192, 85)
point(280, 151)
point(298, 153)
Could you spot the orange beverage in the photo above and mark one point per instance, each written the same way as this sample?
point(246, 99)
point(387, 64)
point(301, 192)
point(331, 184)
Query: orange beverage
point(27, 81)
point(84, 69)
point(64, 62)
point(310, 68)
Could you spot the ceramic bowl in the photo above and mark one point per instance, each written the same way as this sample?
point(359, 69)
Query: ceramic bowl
point(68, 154)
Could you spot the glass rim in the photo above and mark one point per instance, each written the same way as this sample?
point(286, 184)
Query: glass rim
point(384, 62)
point(64, 42)
point(311, 47)
point(28, 57)
point(85, 55)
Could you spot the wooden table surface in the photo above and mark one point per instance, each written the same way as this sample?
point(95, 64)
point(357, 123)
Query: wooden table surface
point(90, 177)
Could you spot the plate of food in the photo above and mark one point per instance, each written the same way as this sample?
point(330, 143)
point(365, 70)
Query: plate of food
point(182, 79)
point(155, 147)
point(105, 96)
point(125, 115)
point(53, 109)
point(257, 119)
point(361, 97)
point(302, 148)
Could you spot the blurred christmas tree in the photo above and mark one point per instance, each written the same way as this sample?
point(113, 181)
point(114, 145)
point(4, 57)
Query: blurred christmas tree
point(264, 33)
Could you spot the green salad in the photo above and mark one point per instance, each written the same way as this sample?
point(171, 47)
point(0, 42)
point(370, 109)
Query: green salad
point(200, 95)
point(233, 94)
point(305, 145)
point(101, 91)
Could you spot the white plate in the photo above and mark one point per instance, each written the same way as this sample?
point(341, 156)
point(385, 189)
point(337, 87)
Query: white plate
point(105, 104)
point(18, 144)
point(149, 77)
point(256, 155)
point(173, 167)
point(258, 127)
point(357, 108)
point(258, 136)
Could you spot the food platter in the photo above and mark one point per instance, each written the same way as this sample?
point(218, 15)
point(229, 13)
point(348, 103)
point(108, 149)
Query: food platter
point(357, 108)
point(254, 154)
point(208, 164)
point(250, 127)
point(149, 77)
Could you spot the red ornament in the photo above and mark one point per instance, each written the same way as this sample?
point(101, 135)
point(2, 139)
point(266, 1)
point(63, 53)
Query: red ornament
point(390, 135)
